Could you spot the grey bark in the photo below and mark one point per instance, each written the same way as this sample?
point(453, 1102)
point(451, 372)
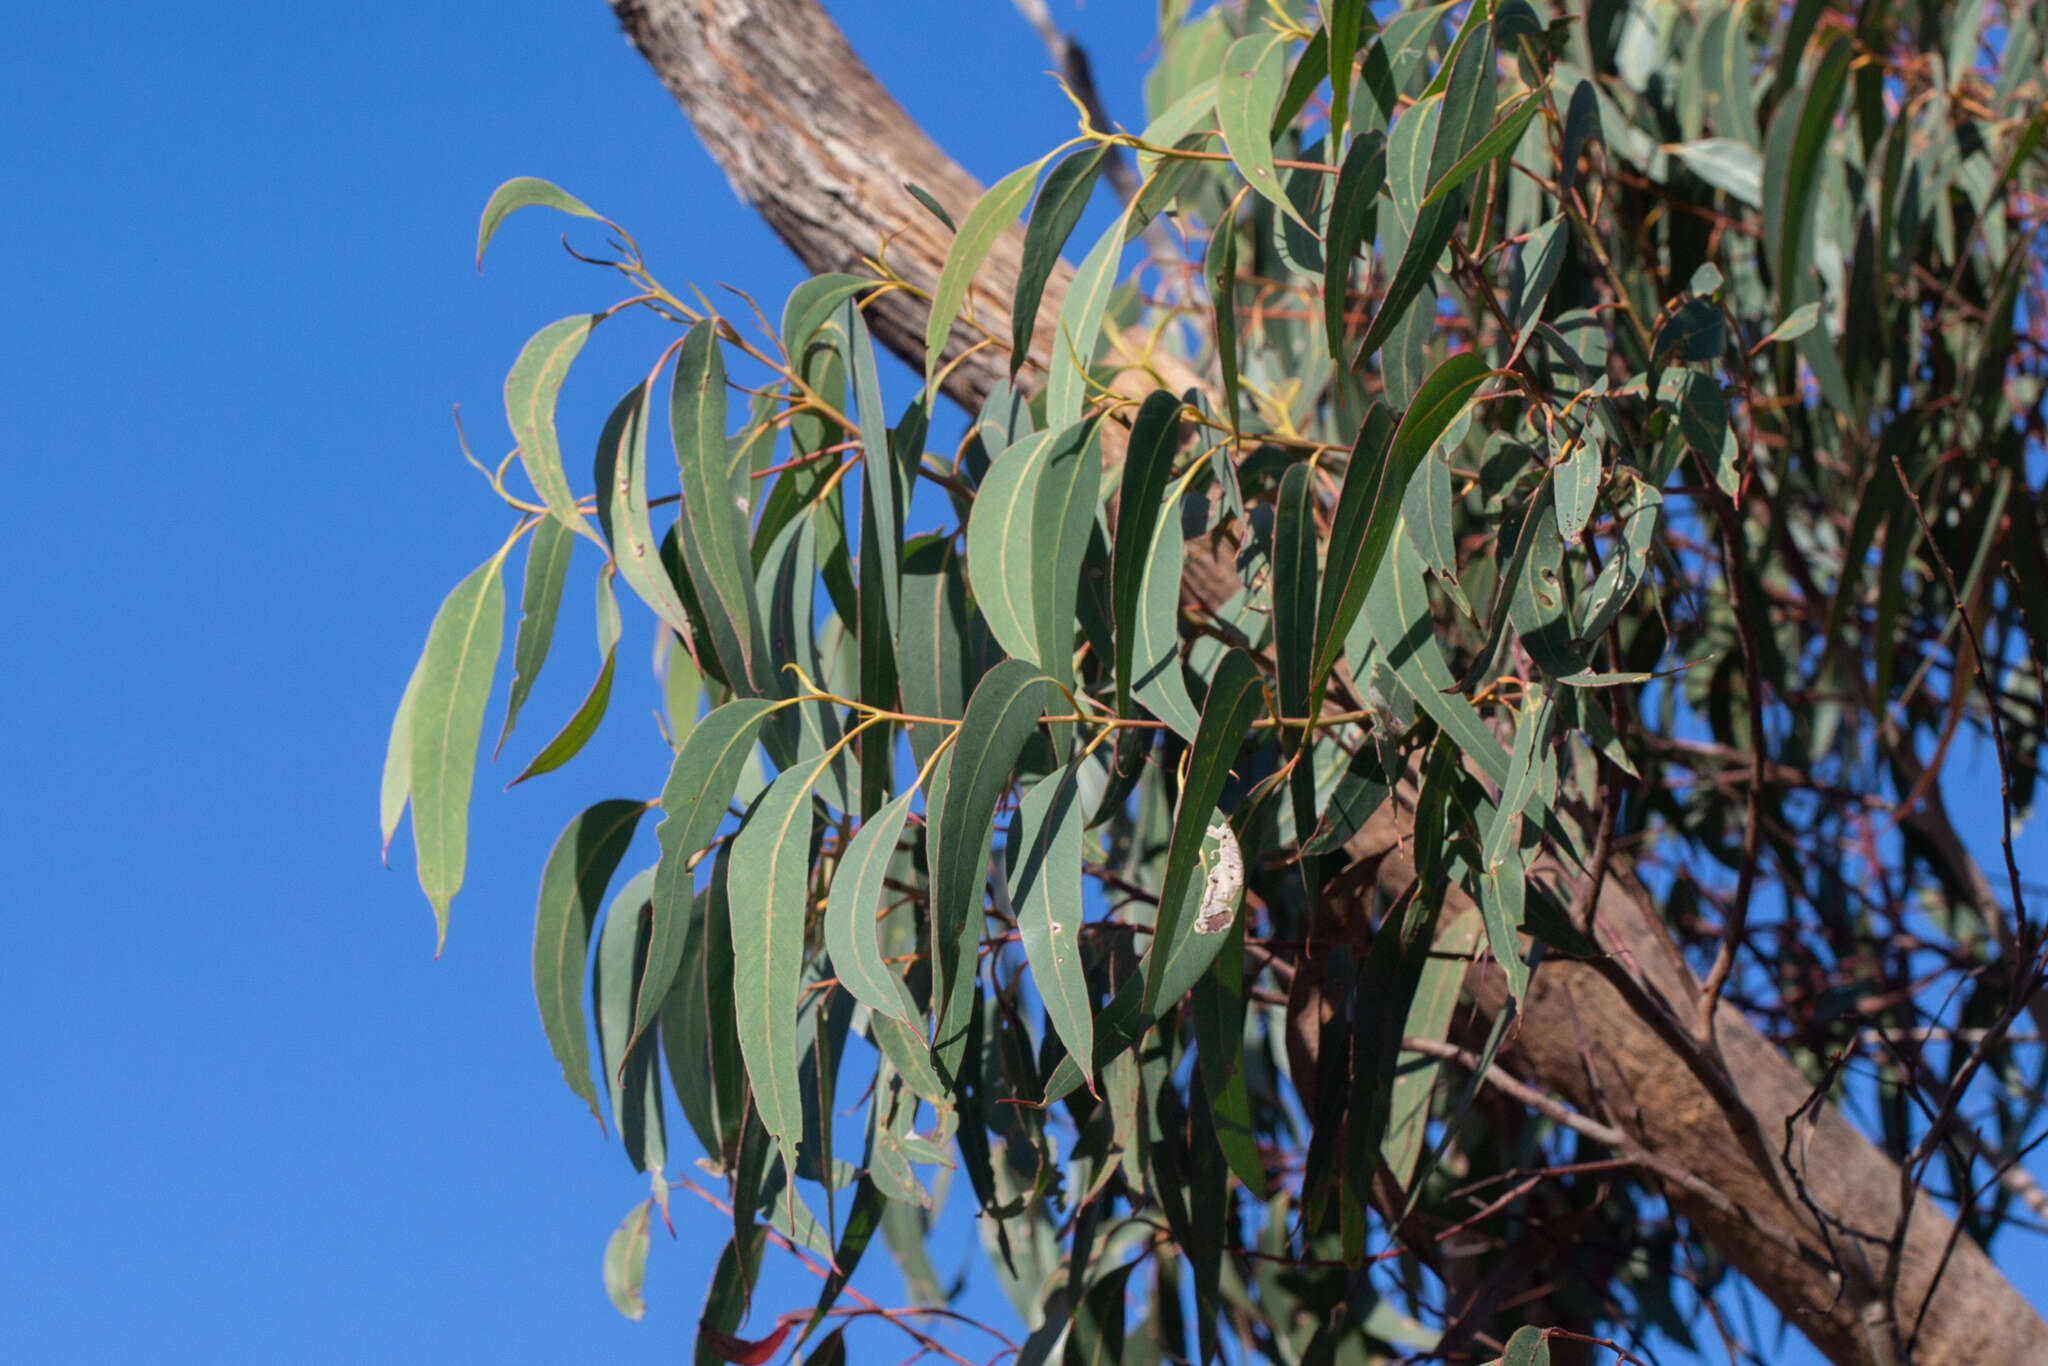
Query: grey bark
point(809, 137)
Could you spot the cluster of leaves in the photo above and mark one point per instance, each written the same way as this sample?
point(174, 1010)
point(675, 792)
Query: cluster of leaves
point(1583, 399)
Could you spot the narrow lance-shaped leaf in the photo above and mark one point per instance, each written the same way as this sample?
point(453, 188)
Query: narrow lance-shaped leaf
point(1060, 202)
point(1000, 717)
point(628, 1067)
point(999, 545)
point(1157, 679)
point(572, 885)
point(1045, 886)
point(990, 217)
point(531, 389)
point(1792, 155)
point(1294, 589)
point(1219, 273)
point(583, 723)
point(540, 598)
point(1397, 612)
point(851, 908)
point(1080, 326)
point(1354, 212)
point(700, 787)
point(1174, 962)
point(1148, 465)
point(1247, 94)
point(1369, 503)
point(768, 905)
point(447, 723)
point(1063, 516)
point(524, 192)
point(1497, 139)
point(712, 534)
point(1341, 20)
point(397, 784)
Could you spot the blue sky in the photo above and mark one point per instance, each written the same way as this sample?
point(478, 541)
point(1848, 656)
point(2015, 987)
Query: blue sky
point(250, 1117)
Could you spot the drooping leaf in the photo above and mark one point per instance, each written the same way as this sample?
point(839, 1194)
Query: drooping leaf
point(522, 192)
point(1248, 93)
point(628, 1067)
point(1397, 610)
point(572, 885)
point(1179, 955)
point(999, 552)
point(1045, 888)
point(396, 786)
point(1729, 166)
point(1080, 326)
point(540, 598)
point(583, 723)
point(700, 787)
point(1156, 676)
point(1369, 503)
point(625, 1261)
point(1794, 147)
point(1354, 211)
point(713, 533)
point(1219, 276)
point(446, 723)
point(1000, 717)
point(850, 913)
point(1060, 202)
point(1504, 134)
point(531, 389)
point(1294, 590)
point(1148, 465)
point(768, 907)
point(990, 217)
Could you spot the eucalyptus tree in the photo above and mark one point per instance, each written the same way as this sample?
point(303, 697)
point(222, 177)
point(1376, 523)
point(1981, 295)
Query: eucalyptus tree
point(1396, 792)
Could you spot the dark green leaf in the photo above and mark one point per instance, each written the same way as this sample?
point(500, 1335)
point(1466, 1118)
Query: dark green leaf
point(1294, 590)
point(572, 884)
point(1219, 273)
point(1354, 211)
point(1148, 465)
point(1157, 678)
point(713, 532)
point(628, 1067)
point(547, 566)
point(1176, 958)
point(1060, 202)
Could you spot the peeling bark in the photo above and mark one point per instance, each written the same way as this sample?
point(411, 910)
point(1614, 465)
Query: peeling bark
point(807, 136)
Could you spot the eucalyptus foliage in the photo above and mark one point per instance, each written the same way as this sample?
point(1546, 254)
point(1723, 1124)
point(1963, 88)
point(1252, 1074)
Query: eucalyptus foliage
point(1622, 432)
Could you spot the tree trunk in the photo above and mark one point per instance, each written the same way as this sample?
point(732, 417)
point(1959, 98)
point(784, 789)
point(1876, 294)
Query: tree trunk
point(809, 138)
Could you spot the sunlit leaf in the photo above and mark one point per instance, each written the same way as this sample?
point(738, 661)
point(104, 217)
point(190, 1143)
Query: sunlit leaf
point(628, 1067)
point(1247, 93)
point(397, 783)
point(851, 909)
point(547, 566)
point(1080, 326)
point(572, 886)
point(447, 721)
point(713, 532)
point(1045, 887)
point(531, 389)
point(989, 219)
point(522, 192)
point(625, 1261)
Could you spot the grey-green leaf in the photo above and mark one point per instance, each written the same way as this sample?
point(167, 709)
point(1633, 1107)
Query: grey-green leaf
point(769, 902)
point(540, 598)
point(572, 886)
point(625, 1261)
point(397, 784)
point(1148, 464)
point(522, 192)
point(447, 722)
point(531, 388)
point(1254, 77)
point(990, 217)
point(851, 908)
point(712, 533)
point(1045, 888)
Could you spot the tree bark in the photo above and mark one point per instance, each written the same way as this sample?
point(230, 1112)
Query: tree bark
point(810, 138)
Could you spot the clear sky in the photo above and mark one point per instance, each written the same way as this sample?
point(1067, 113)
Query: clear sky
point(248, 1116)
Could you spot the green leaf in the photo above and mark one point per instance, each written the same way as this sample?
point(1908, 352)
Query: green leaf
point(1503, 135)
point(1157, 679)
point(572, 884)
point(531, 389)
point(569, 741)
point(1360, 791)
point(712, 534)
point(1369, 503)
point(621, 470)
point(1578, 481)
point(1294, 592)
point(547, 567)
point(1539, 605)
point(861, 1222)
point(1175, 959)
point(768, 908)
point(932, 654)
point(522, 192)
point(1692, 332)
point(999, 555)
point(1219, 274)
point(1341, 21)
point(932, 206)
point(628, 1067)
point(625, 1261)
point(1527, 1347)
point(851, 909)
point(1060, 202)
point(1581, 126)
point(1248, 94)
point(1639, 505)
point(1080, 326)
point(1062, 520)
point(1729, 166)
point(700, 787)
point(1354, 211)
point(1397, 611)
point(397, 784)
point(989, 219)
point(1000, 717)
point(1797, 141)
point(1148, 466)
point(1429, 1017)
point(1797, 324)
point(1045, 885)
point(447, 722)
point(1096, 1336)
